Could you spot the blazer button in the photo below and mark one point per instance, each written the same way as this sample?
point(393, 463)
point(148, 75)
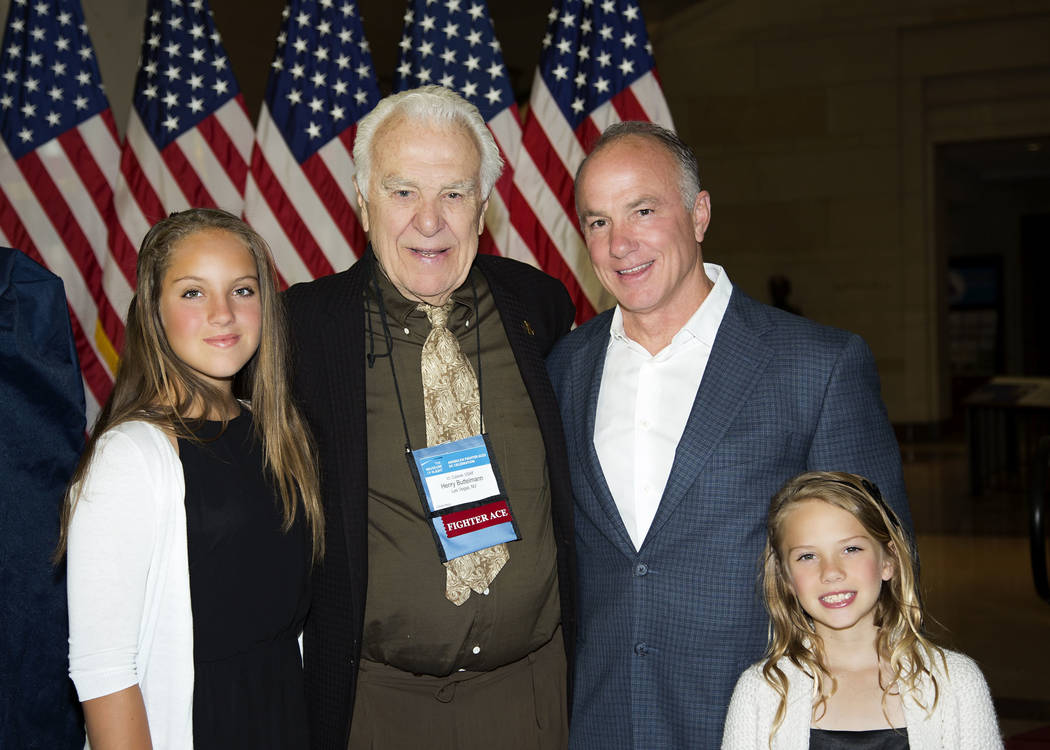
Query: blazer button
point(641, 649)
point(641, 569)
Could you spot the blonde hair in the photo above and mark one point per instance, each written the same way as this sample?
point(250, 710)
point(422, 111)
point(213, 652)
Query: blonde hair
point(901, 642)
point(154, 385)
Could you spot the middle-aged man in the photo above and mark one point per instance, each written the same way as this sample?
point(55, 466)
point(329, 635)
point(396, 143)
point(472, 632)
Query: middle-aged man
point(412, 349)
point(685, 408)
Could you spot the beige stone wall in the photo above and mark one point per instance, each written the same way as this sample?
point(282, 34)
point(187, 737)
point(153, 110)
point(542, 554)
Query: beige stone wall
point(816, 124)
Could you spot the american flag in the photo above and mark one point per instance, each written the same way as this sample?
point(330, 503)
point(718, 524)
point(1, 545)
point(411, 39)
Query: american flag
point(452, 43)
point(596, 69)
point(300, 191)
point(58, 156)
point(188, 138)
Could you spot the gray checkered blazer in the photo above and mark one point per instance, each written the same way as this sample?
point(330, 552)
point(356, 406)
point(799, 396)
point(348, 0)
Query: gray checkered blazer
point(664, 632)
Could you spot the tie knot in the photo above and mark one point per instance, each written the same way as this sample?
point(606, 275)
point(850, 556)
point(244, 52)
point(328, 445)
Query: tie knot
point(438, 316)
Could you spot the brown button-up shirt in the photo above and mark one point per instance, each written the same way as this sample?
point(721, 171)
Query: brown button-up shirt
point(409, 624)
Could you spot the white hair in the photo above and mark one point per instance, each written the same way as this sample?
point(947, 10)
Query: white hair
point(433, 105)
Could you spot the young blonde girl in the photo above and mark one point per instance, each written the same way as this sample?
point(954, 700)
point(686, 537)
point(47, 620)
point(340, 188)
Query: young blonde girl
point(848, 664)
point(193, 518)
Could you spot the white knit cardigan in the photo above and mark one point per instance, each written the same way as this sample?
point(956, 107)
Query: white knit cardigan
point(963, 720)
point(130, 620)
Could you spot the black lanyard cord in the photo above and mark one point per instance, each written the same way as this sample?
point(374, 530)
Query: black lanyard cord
point(389, 350)
point(477, 335)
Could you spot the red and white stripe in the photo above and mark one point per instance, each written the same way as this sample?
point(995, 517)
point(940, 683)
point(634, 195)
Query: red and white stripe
point(207, 166)
point(501, 237)
point(516, 228)
point(552, 151)
point(308, 213)
point(57, 205)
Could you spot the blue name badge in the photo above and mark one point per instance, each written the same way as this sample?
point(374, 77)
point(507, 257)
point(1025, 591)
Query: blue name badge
point(463, 497)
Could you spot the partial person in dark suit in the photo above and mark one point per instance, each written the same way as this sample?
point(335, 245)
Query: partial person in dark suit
point(685, 408)
point(42, 411)
point(401, 650)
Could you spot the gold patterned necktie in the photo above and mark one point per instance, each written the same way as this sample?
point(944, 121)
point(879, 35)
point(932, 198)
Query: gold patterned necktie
point(452, 407)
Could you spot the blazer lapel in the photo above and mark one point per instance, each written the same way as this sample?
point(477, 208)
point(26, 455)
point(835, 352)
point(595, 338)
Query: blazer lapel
point(526, 353)
point(738, 358)
point(342, 328)
point(589, 363)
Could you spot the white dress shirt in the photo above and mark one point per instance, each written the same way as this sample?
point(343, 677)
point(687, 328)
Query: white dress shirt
point(644, 403)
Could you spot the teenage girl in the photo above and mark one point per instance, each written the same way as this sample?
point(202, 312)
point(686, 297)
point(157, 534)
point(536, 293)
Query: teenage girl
point(193, 518)
point(848, 664)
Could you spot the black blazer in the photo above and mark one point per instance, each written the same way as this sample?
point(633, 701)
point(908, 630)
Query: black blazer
point(327, 330)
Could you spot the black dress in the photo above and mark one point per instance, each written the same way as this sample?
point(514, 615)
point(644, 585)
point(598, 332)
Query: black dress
point(871, 739)
point(249, 594)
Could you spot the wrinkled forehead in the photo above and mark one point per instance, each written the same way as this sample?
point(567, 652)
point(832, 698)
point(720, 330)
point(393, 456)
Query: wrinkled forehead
point(425, 153)
point(415, 124)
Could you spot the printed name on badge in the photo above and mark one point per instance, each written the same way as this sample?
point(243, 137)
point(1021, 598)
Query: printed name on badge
point(462, 493)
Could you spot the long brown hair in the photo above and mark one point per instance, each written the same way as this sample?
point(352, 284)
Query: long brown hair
point(901, 642)
point(154, 385)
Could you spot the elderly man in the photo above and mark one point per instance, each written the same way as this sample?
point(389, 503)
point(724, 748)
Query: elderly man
point(685, 408)
point(443, 611)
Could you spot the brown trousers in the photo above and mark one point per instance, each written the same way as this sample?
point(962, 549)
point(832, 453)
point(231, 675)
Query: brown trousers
point(520, 706)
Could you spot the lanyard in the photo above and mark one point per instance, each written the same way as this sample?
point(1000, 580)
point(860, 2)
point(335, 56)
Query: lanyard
point(389, 340)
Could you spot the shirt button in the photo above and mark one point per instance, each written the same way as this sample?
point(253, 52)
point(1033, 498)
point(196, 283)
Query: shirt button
point(645, 424)
point(641, 649)
point(476, 649)
point(641, 569)
point(407, 331)
point(485, 592)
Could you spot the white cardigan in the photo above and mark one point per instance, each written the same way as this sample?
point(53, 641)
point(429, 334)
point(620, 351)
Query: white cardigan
point(130, 620)
point(963, 720)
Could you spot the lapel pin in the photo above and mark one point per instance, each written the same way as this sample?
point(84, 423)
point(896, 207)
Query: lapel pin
point(525, 326)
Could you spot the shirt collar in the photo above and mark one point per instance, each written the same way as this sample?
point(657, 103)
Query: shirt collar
point(399, 308)
point(702, 324)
